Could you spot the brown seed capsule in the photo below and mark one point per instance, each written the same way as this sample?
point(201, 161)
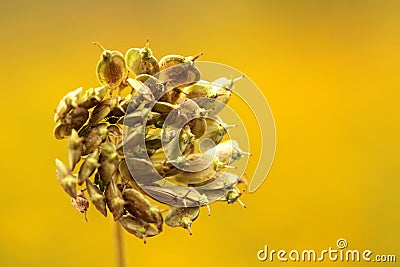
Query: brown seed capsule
point(198, 127)
point(127, 177)
point(68, 102)
point(111, 70)
point(101, 111)
point(80, 203)
point(62, 130)
point(137, 205)
point(137, 227)
point(92, 97)
point(141, 60)
point(182, 217)
point(88, 167)
point(115, 202)
point(97, 197)
point(66, 178)
point(74, 149)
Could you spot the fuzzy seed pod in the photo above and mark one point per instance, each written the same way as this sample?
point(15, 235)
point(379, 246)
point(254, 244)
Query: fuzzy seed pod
point(141, 60)
point(137, 205)
point(66, 178)
point(115, 202)
point(88, 167)
point(97, 197)
point(182, 217)
point(111, 70)
point(137, 227)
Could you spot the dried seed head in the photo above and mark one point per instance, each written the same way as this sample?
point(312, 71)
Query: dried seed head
point(137, 227)
point(111, 70)
point(80, 203)
point(88, 167)
point(141, 61)
point(68, 102)
point(66, 179)
point(137, 205)
point(74, 149)
point(97, 197)
point(115, 202)
point(182, 217)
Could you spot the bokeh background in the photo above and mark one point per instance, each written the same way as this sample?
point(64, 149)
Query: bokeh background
point(329, 70)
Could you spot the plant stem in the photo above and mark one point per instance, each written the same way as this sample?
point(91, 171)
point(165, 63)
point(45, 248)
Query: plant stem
point(119, 250)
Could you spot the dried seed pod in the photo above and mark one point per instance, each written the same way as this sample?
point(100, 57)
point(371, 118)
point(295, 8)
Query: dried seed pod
point(108, 162)
point(141, 60)
point(182, 217)
point(137, 227)
point(68, 102)
point(233, 196)
point(114, 130)
point(74, 149)
point(80, 203)
point(66, 178)
point(97, 197)
point(176, 196)
point(127, 177)
point(62, 130)
point(178, 70)
point(92, 97)
point(198, 127)
point(94, 137)
point(111, 70)
point(164, 107)
point(115, 202)
point(88, 167)
point(216, 130)
point(77, 118)
point(186, 139)
point(156, 87)
point(101, 111)
point(137, 205)
point(227, 152)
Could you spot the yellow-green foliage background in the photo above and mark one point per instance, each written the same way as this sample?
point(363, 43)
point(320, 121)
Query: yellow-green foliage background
point(329, 69)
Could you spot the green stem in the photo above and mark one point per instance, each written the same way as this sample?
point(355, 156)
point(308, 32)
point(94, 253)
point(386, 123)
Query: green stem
point(119, 250)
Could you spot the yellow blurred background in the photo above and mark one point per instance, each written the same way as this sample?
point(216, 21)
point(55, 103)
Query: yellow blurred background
point(329, 70)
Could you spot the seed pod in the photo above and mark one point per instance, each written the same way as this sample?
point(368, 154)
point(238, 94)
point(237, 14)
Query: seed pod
point(77, 118)
point(68, 102)
point(216, 130)
point(92, 97)
point(74, 149)
point(156, 87)
point(114, 130)
point(102, 110)
point(227, 152)
point(97, 197)
point(62, 130)
point(182, 217)
point(88, 167)
point(186, 139)
point(164, 107)
point(66, 178)
point(127, 177)
point(80, 203)
point(108, 162)
point(111, 70)
point(141, 60)
point(115, 202)
point(198, 127)
point(176, 196)
point(177, 70)
point(233, 196)
point(137, 227)
point(137, 205)
point(94, 137)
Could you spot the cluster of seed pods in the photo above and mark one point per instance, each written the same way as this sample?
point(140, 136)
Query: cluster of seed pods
point(133, 142)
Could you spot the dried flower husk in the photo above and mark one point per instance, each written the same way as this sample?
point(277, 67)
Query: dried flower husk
point(182, 217)
point(93, 137)
point(92, 97)
point(216, 130)
point(66, 178)
point(80, 203)
point(74, 149)
point(101, 111)
point(97, 197)
point(108, 162)
point(137, 227)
